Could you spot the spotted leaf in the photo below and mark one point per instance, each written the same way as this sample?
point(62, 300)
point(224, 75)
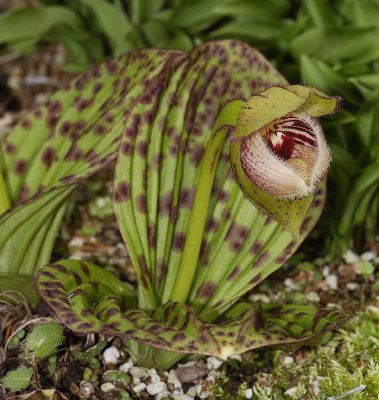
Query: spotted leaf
point(157, 174)
point(59, 144)
point(88, 299)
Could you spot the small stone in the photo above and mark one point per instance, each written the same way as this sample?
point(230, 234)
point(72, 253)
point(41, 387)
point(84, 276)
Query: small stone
point(214, 363)
point(192, 391)
point(259, 298)
point(111, 355)
point(138, 372)
point(126, 367)
point(249, 393)
point(288, 360)
point(101, 201)
point(76, 242)
point(325, 271)
point(155, 378)
point(332, 281)
point(290, 392)
point(313, 297)
point(352, 286)
point(367, 256)
point(139, 388)
point(86, 389)
point(350, 257)
point(173, 379)
point(182, 397)
point(290, 284)
point(107, 387)
point(155, 388)
point(190, 373)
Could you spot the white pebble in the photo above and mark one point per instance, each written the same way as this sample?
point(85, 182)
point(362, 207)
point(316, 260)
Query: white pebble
point(139, 388)
point(313, 297)
point(182, 397)
point(237, 357)
point(350, 257)
point(192, 391)
point(126, 367)
point(288, 360)
point(332, 281)
point(214, 363)
point(86, 389)
point(107, 387)
point(352, 286)
point(290, 391)
point(325, 271)
point(249, 393)
point(155, 378)
point(259, 298)
point(367, 256)
point(76, 242)
point(100, 202)
point(155, 388)
point(290, 284)
point(174, 380)
point(111, 355)
point(138, 372)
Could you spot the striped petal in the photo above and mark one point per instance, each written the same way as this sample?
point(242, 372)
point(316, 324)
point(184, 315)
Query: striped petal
point(279, 153)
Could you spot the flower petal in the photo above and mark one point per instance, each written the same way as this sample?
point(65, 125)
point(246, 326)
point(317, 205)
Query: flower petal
point(268, 171)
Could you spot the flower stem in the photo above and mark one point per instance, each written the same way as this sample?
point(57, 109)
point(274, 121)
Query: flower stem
point(207, 170)
point(4, 199)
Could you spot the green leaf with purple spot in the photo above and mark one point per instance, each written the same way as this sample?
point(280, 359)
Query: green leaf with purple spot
point(88, 299)
point(59, 144)
point(157, 174)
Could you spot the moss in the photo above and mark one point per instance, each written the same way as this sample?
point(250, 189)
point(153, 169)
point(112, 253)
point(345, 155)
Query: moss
point(220, 391)
point(350, 359)
point(339, 380)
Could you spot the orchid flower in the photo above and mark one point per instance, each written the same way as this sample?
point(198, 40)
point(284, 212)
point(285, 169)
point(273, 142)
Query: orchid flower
point(278, 150)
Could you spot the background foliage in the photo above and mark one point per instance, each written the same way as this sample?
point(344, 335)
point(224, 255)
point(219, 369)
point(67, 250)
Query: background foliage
point(330, 44)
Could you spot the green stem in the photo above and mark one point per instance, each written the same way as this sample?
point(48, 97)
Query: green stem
point(4, 199)
point(207, 170)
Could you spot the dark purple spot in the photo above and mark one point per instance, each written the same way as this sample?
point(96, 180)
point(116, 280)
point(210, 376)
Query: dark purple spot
point(206, 289)
point(97, 87)
point(48, 156)
point(122, 192)
point(234, 273)
point(257, 278)
point(197, 155)
point(26, 124)
point(179, 337)
point(126, 148)
point(9, 148)
point(261, 259)
point(19, 167)
point(178, 241)
point(142, 148)
point(52, 120)
point(186, 197)
point(256, 247)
